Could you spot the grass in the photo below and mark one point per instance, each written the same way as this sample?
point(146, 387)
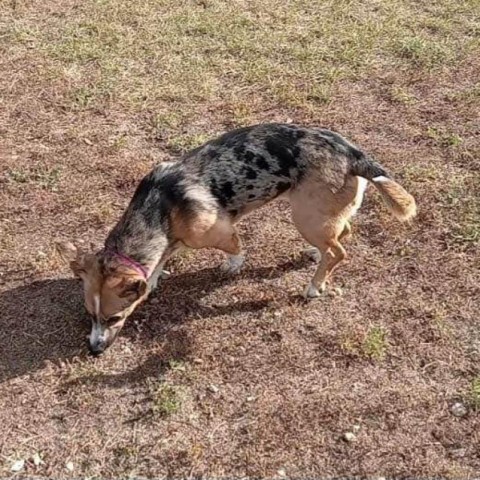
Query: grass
point(372, 344)
point(444, 138)
point(475, 393)
point(166, 399)
point(375, 344)
point(46, 178)
point(108, 52)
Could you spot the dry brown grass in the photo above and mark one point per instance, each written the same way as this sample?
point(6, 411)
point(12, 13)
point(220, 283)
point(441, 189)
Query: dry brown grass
point(239, 377)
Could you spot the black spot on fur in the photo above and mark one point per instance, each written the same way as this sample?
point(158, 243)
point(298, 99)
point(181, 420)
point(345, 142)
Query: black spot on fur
point(227, 190)
point(239, 150)
point(222, 192)
point(285, 152)
point(262, 164)
point(251, 174)
point(249, 156)
point(282, 187)
point(233, 139)
point(216, 192)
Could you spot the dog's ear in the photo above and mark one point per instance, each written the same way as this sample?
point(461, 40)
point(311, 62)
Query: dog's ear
point(133, 289)
point(127, 286)
point(73, 256)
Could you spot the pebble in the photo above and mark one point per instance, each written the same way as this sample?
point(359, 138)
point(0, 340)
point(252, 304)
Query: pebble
point(37, 459)
point(250, 399)
point(18, 465)
point(349, 437)
point(213, 388)
point(356, 428)
point(458, 409)
point(282, 472)
point(69, 466)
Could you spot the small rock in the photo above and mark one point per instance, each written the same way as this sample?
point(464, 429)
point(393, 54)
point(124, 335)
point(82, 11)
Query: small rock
point(250, 399)
point(356, 428)
point(37, 459)
point(458, 409)
point(69, 466)
point(349, 437)
point(281, 472)
point(213, 388)
point(277, 314)
point(458, 452)
point(197, 360)
point(18, 465)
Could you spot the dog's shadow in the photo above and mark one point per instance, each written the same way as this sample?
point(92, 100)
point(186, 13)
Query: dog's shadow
point(45, 321)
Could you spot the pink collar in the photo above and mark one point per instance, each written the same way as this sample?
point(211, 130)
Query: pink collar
point(130, 263)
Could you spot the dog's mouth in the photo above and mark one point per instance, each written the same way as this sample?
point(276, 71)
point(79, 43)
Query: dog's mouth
point(102, 337)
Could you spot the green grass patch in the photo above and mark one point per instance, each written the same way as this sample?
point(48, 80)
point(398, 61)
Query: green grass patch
point(375, 343)
point(47, 179)
point(444, 138)
point(474, 395)
point(178, 57)
point(166, 399)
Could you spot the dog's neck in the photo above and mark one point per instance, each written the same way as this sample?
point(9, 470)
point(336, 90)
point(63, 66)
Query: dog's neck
point(141, 247)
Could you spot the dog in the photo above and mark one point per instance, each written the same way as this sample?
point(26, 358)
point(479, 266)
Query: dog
point(196, 201)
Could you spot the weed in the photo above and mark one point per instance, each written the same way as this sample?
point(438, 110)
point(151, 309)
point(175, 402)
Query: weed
point(177, 365)
point(375, 343)
point(166, 399)
point(475, 393)
point(47, 179)
point(18, 176)
point(185, 142)
point(422, 52)
point(401, 95)
point(443, 137)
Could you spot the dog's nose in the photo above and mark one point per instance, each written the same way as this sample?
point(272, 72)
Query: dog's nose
point(97, 348)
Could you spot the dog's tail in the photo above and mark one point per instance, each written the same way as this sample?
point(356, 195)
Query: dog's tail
point(400, 203)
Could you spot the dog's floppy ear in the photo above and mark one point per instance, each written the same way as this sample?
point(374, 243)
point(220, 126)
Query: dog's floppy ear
point(133, 289)
point(130, 287)
point(73, 256)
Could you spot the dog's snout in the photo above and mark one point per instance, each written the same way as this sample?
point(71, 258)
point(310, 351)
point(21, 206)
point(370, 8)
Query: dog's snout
point(97, 348)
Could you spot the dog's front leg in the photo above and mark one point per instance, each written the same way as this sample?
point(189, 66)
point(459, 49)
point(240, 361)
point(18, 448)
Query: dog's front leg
point(159, 272)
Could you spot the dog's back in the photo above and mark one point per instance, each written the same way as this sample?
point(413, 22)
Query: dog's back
point(250, 166)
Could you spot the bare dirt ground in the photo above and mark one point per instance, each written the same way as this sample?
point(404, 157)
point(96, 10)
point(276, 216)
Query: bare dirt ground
point(219, 376)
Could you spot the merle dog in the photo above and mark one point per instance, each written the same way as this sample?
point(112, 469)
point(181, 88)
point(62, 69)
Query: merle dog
point(196, 201)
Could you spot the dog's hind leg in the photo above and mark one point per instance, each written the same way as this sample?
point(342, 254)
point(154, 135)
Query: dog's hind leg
point(313, 253)
point(321, 216)
point(332, 254)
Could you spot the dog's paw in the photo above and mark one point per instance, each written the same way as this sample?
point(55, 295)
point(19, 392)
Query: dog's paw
point(313, 254)
point(233, 264)
point(311, 291)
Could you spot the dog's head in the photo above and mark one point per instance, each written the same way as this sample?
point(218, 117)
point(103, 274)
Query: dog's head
point(111, 293)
